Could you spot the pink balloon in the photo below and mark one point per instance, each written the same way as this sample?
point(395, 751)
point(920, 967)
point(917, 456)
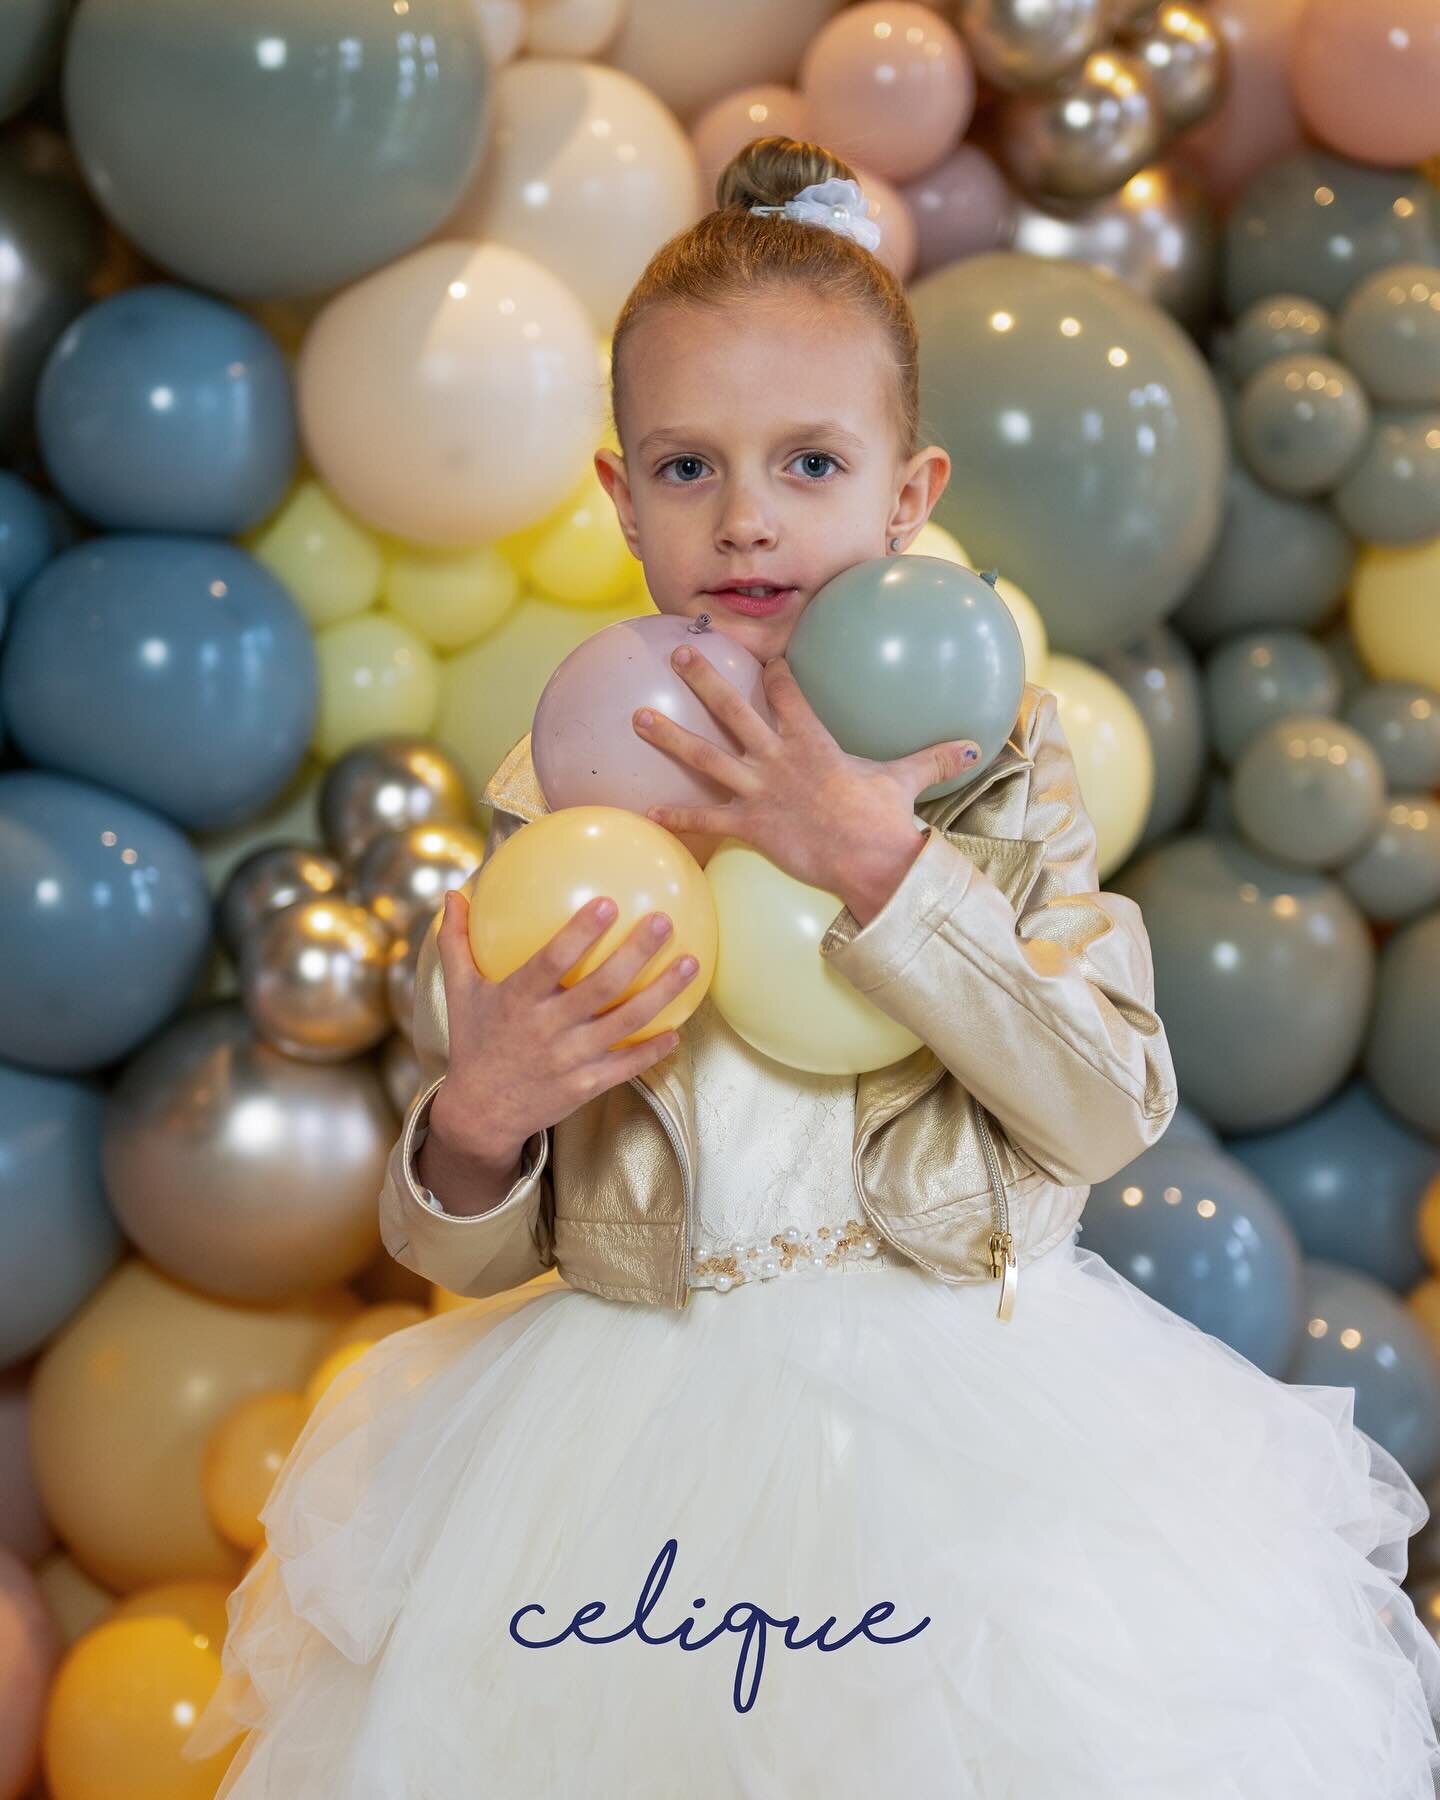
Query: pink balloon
point(30, 1650)
point(961, 207)
point(1367, 77)
point(583, 742)
point(892, 215)
point(1256, 122)
point(726, 127)
point(889, 84)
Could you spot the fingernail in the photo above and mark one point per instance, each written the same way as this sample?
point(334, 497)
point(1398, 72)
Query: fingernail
point(659, 926)
point(971, 753)
point(688, 966)
point(606, 910)
point(644, 717)
point(682, 655)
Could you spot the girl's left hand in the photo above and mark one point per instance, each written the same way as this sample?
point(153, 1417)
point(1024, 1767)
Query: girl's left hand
point(837, 822)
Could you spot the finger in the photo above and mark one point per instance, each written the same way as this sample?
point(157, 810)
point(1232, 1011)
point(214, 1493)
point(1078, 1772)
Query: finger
point(937, 762)
point(725, 702)
point(621, 1065)
point(452, 941)
point(713, 821)
point(607, 982)
point(633, 1014)
point(698, 752)
point(786, 697)
point(540, 975)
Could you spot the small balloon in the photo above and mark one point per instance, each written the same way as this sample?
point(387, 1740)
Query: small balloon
point(312, 979)
point(1099, 128)
point(1402, 720)
point(1184, 56)
point(1022, 45)
point(388, 785)
point(1114, 762)
point(1303, 422)
point(1391, 493)
point(1279, 325)
point(268, 880)
point(1396, 876)
point(1258, 677)
point(1394, 611)
point(402, 875)
point(1389, 334)
point(1308, 790)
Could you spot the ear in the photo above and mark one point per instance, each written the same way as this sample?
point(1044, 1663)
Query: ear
point(610, 468)
point(922, 482)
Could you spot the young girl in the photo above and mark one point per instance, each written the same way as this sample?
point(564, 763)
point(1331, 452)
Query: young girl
point(833, 1461)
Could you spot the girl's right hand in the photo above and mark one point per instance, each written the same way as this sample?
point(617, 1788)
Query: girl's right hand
point(525, 1052)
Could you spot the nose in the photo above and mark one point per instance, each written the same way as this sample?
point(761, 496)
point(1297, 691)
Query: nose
point(744, 522)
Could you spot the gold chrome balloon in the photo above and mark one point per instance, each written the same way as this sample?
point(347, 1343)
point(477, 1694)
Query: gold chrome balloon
point(268, 880)
point(312, 979)
point(1099, 128)
point(1185, 57)
point(400, 974)
point(402, 875)
point(387, 785)
point(1023, 45)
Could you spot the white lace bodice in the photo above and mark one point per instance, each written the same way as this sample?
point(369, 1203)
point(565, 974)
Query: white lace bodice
point(773, 1160)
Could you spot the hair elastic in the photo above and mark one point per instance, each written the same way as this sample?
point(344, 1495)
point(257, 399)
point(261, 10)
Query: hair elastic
point(838, 204)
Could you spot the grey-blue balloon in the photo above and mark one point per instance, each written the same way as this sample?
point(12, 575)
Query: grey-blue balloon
point(1263, 977)
point(1396, 877)
point(1086, 437)
point(27, 534)
point(1349, 1177)
point(1308, 789)
point(105, 919)
point(1278, 562)
point(1159, 674)
point(58, 1236)
point(1391, 494)
point(1389, 333)
point(1402, 1051)
point(1318, 224)
point(1359, 1335)
point(1196, 1231)
point(1402, 720)
point(262, 148)
point(1302, 424)
point(177, 670)
point(1254, 679)
point(1188, 1127)
point(160, 409)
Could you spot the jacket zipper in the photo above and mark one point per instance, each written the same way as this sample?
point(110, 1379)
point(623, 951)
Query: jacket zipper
point(1003, 1266)
point(683, 1293)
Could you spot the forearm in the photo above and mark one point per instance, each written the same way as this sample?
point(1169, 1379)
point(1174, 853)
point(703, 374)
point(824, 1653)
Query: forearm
point(872, 877)
point(465, 1182)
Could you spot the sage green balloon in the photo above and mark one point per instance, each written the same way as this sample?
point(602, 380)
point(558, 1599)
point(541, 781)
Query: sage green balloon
point(1159, 674)
point(1278, 325)
point(1261, 676)
point(1086, 436)
point(1390, 335)
point(1302, 424)
point(1402, 720)
point(1392, 493)
point(1309, 790)
point(901, 652)
point(1402, 1052)
point(1396, 877)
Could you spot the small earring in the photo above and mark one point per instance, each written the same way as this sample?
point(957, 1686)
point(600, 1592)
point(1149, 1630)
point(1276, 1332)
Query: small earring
point(895, 543)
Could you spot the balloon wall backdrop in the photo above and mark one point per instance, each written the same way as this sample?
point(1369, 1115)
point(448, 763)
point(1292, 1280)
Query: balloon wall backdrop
point(304, 356)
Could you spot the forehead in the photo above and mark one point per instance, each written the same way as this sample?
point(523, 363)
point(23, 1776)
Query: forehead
point(735, 369)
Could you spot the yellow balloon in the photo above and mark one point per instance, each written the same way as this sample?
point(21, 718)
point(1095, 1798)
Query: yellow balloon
point(1427, 1224)
point(242, 1459)
point(327, 559)
point(377, 1321)
point(200, 1606)
point(546, 872)
point(1395, 611)
point(450, 597)
point(376, 676)
point(1034, 638)
point(492, 1308)
point(771, 983)
point(934, 540)
point(582, 557)
point(121, 1707)
point(330, 1366)
point(1114, 762)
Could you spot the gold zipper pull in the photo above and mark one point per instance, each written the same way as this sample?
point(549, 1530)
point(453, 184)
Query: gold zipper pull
point(1005, 1270)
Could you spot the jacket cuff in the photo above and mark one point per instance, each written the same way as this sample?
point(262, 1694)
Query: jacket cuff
point(932, 887)
point(532, 1163)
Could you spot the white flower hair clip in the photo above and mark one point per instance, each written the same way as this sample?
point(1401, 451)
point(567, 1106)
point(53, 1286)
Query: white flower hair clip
point(837, 204)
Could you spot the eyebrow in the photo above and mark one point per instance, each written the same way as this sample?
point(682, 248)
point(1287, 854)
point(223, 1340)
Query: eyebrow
point(818, 428)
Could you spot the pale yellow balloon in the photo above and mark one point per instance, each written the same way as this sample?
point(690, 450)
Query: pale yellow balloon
point(488, 693)
point(376, 676)
point(124, 1699)
point(934, 540)
point(1034, 638)
point(449, 597)
point(587, 172)
point(771, 983)
point(328, 560)
point(1114, 763)
point(451, 396)
point(581, 556)
point(242, 1458)
point(1395, 611)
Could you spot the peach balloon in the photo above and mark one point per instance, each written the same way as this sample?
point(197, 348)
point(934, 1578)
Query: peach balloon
point(1256, 122)
point(961, 207)
point(897, 229)
point(544, 874)
point(452, 396)
point(890, 84)
point(571, 27)
point(691, 52)
point(726, 127)
point(588, 173)
point(30, 1650)
point(1367, 77)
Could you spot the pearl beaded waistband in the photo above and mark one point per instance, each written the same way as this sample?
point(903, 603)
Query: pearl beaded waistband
point(791, 1251)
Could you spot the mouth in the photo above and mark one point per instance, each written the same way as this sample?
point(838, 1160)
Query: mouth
point(755, 599)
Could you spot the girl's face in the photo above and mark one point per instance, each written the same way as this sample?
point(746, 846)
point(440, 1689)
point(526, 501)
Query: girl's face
point(759, 448)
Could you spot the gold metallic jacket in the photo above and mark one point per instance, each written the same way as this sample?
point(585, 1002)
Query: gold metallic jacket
point(1043, 1068)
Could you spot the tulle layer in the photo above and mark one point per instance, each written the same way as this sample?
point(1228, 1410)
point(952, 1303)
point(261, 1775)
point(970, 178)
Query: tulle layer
point(1148, 1568)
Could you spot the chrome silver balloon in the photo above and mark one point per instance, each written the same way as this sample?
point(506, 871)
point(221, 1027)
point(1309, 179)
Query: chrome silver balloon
point(402, 875)
point(1186, 59)
point(312, 979)
point(400, 973)
point(1100, 127)
point(1022, 45)
point(269, 879)
point(243, 1171)
point(389, 784)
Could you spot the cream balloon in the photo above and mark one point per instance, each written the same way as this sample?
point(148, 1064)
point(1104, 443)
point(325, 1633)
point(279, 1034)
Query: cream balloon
point(1114, 763)
point(451, 397)
point(1395, 611)
point(377, 677)
point(690, 54)
point(588, 173)
point(329, 562)
point(1034, 638)
point(935, 540)
point(502, 25)
point(773, 987)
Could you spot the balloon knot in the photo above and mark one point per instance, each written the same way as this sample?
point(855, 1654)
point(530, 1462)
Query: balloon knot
point(990, 575)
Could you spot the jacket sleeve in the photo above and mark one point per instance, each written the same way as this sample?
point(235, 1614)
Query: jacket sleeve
point(471, 1255)
point(1045, 1012)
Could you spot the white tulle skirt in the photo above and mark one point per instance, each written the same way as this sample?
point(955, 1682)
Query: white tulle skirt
point(1143, 1566)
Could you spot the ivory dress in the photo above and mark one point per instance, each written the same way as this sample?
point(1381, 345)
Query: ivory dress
point(1120, 1560)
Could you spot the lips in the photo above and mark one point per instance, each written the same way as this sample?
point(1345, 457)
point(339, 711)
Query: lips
point(755, 605)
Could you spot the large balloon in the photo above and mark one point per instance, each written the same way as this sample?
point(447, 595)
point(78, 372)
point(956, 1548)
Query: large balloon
point(1367, 77)
point(164, 410)
point(1159, 675)
point(105, 919)
point(544, 874)
point(248, 1174)
point(453, 396)
point(1086, 435)
point(1402, 1051)
point(773, 987)
point(584, 744)
point(897, 653)
point(328, 140)
point(173, 668)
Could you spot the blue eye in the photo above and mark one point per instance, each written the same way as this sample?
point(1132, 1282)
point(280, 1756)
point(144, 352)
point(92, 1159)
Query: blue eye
point(814, 456)
point(676, 462)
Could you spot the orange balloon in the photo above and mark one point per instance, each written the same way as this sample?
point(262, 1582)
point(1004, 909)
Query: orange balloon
point(545, 873)
point(331, 1366)
point(1427, 1224)
point(242, 1458)
point(123, 1702)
